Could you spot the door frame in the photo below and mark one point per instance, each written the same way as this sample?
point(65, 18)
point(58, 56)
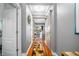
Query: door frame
point(16, 7)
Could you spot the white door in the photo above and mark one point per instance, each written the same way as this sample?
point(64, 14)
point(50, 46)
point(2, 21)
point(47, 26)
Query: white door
point(9, 33)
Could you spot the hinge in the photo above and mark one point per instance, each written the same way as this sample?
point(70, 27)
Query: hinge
point(50, 10)
point(16, 49)
point(16, 31)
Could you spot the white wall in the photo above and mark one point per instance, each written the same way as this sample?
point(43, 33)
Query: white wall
point(62, 29)
point(26, 29)
point(52, 29)
point(47, 30)
point(66, 39)
point(29, 27)
point(23, 27)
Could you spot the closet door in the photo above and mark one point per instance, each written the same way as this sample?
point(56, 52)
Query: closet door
point(9, 33)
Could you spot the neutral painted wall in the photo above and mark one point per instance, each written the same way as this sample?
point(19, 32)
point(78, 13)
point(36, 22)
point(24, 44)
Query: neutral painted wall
point(52, 30)
point(47, 31)
point(66, 39)
point(23, 27)
point(28, 27)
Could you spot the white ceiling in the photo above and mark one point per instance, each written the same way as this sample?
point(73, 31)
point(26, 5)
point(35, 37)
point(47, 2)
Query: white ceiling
point(39, 20)
point(39, 9)
point(39, 12)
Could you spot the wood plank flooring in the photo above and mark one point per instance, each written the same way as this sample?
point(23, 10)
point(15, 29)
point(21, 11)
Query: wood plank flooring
point(39, 48)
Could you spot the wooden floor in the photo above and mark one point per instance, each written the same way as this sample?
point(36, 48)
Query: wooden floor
point(39, 48)
point(64, 53)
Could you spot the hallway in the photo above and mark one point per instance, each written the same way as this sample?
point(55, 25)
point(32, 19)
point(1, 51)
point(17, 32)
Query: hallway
point(39, 14)
point(39, 29)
